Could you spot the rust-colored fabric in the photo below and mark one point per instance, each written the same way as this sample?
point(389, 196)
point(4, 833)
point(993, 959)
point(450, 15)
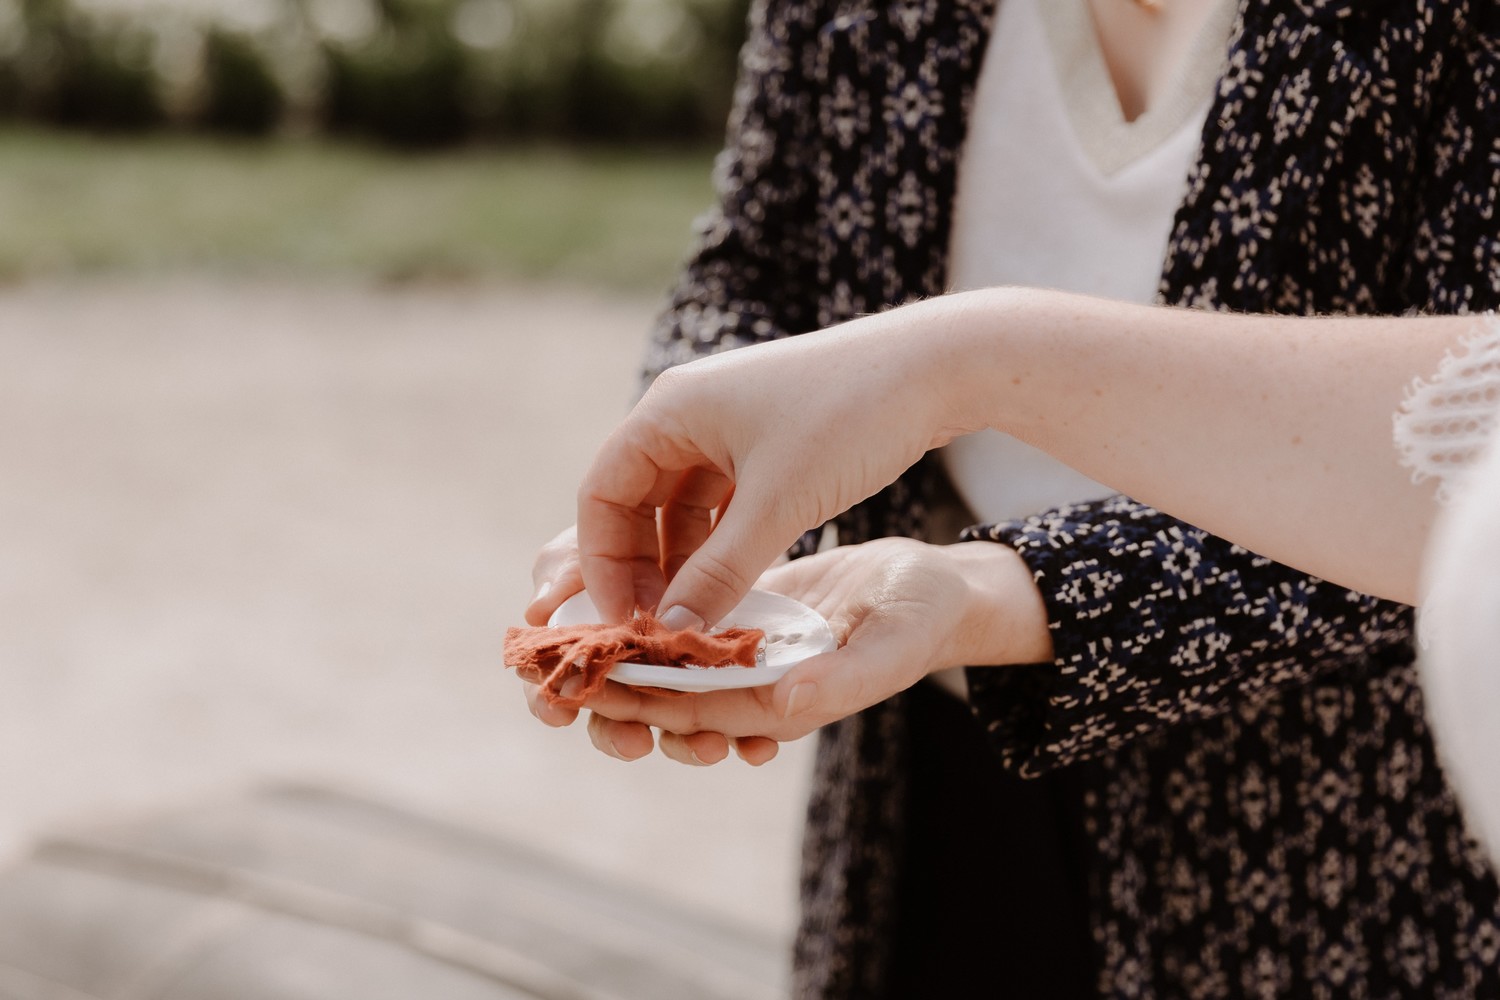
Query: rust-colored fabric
point(549, 655)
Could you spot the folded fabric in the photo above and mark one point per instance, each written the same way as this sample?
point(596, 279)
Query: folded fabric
point(549, 655)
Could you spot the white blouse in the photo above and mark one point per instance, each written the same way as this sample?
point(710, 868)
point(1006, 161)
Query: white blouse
point(1056, 189)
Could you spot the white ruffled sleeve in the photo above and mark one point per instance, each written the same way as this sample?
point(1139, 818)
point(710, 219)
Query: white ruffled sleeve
point(1447, 429)
point(1445, 422)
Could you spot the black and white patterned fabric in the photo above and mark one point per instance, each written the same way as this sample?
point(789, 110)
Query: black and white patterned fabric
point(1263, 810)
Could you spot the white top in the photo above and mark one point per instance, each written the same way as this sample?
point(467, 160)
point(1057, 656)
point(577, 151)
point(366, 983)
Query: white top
point(1057, 190)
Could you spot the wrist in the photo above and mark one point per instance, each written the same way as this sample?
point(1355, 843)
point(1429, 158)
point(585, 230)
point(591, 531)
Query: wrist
point(1003, 620)
point(1004, 358)
point(966, 361)
point(956, 352)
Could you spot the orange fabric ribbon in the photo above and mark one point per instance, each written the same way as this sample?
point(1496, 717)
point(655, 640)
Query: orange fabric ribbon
point(549, 655)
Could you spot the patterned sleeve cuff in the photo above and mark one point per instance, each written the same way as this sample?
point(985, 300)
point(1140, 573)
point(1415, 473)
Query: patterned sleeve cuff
point(1155, 623)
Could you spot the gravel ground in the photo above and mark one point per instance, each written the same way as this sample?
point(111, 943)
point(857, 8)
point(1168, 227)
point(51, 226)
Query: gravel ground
point(262, 532)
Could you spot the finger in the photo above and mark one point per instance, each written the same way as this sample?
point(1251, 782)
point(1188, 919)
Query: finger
point(734, 713)
point(880, 658)
point(756, 750)
point(619, 558)
point(555, 576)
point(748, 538)
point(636, 471)
point(551, 715)
point(618, 548)
point(697, 749)
point(723, 504)
point(687, 517)
point(623, 740)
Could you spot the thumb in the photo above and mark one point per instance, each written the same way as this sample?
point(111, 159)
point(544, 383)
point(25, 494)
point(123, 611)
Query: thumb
point(555, 576)
point(878, 660)
point(721, 571)
point(565, 581)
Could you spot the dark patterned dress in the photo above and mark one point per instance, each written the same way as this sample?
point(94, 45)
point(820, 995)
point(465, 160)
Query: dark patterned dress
point(1233, 753)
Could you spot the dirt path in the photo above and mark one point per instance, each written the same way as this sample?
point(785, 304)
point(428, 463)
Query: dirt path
point(255, 532)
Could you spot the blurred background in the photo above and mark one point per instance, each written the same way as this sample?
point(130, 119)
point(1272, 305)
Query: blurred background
point(312, 312)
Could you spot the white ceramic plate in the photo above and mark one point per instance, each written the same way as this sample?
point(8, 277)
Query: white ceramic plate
point(793, 630)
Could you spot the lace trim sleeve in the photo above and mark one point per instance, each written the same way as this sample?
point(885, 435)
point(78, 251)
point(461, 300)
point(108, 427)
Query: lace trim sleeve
point(1444, 423)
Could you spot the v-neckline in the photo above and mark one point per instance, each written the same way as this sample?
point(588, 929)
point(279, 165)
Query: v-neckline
point(1093, 105)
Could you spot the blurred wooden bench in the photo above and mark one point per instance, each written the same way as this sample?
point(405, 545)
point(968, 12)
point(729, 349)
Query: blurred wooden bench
point(306, 894)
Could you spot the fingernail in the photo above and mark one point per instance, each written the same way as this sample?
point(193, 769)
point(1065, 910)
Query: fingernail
point(542, 591)
point(801, 699)
point(679, 617)
point(572, 688)
point(614, 751)
point(699, 761)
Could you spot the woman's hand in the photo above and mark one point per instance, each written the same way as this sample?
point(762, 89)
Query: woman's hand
point(726, 460)
point(555, 576)
point(1185, 410)
point(900, 610)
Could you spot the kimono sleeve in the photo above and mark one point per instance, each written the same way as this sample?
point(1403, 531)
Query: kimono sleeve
point(1454, 260)
point(1156, 623)
point(747, 279)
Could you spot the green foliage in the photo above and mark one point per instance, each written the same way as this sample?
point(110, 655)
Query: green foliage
point(73, 70)
point(240, 94)
point(404, 82)
point(405, 72)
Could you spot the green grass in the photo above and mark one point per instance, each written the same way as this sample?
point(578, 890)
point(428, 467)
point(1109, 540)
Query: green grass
point(73, 204)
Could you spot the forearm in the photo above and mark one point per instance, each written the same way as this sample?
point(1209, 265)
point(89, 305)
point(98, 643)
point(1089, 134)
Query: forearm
point(1273, 432)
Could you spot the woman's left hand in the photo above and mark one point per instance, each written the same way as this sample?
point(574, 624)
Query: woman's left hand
point(900, 610)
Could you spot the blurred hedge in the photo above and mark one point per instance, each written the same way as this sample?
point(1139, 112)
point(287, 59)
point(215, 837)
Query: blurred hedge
point(407, 72)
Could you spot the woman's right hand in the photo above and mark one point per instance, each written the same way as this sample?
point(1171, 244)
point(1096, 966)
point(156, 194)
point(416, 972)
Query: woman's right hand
point(727, 460)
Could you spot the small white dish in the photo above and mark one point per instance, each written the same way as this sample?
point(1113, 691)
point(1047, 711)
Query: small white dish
point(793, 631)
